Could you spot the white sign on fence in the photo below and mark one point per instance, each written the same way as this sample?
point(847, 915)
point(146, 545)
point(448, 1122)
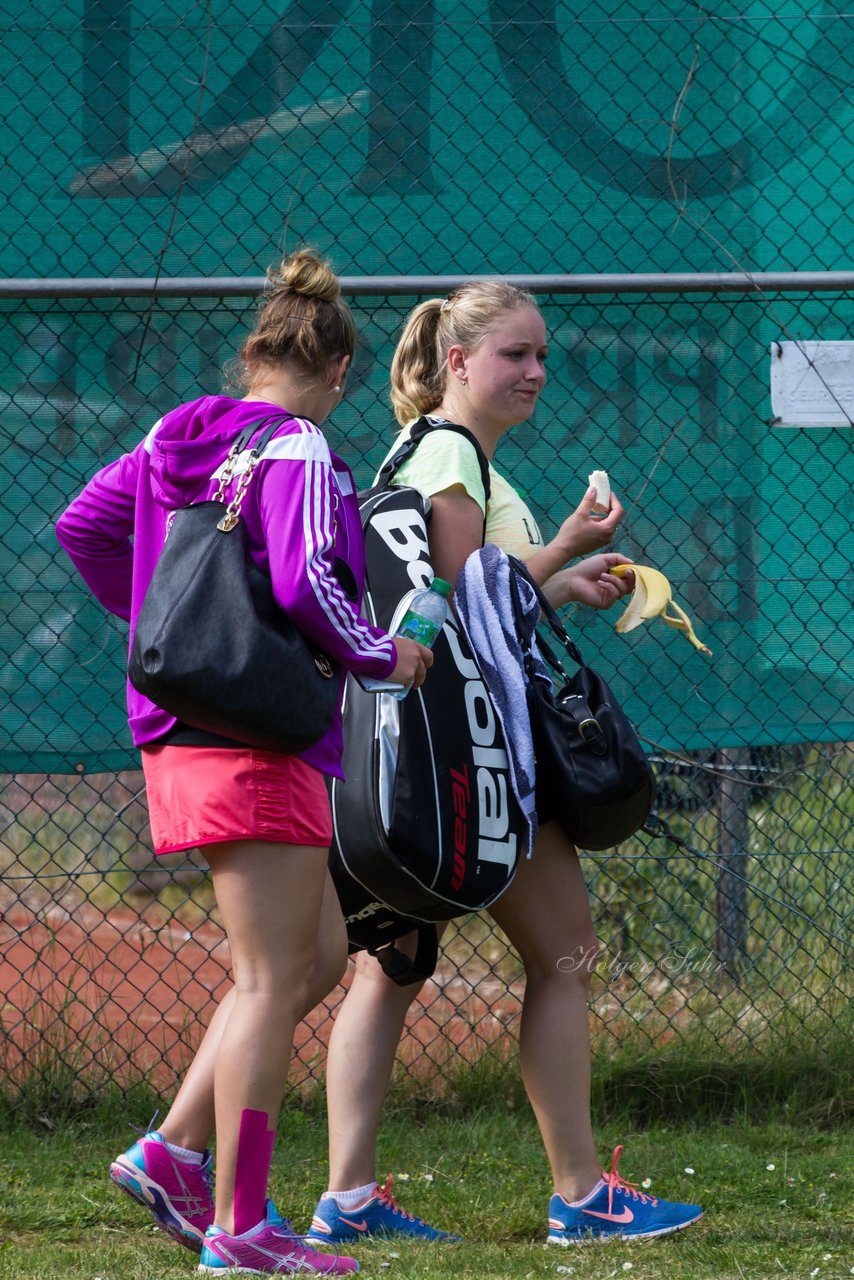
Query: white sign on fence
point(812, 384)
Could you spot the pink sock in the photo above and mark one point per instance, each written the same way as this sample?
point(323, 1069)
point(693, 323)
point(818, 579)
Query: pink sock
point(254, 1154)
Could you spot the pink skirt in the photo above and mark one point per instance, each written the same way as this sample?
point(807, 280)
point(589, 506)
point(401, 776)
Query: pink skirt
point(207, 795)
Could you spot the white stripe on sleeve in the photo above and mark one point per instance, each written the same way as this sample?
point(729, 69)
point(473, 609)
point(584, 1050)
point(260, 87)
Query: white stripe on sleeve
point(319, 535)
point(148, 442)
point(300, 446)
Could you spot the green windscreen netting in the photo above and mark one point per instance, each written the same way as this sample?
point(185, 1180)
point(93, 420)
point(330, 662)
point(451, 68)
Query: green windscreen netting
point(424, 136)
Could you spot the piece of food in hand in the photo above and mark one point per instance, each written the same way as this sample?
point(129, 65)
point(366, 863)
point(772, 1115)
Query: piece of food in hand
point(651, 598)
point(602, 485)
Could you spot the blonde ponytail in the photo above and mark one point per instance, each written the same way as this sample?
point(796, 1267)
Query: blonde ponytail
point(416, 383)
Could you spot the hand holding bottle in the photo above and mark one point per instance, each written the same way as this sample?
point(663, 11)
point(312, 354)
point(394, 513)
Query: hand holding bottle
point(413, 659)
point(424, 618)
point(426, 613)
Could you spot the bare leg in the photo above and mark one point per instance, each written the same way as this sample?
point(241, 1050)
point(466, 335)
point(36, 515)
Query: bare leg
point(546, 915)
point(270, 898)
point(190, 1121)
point(362, 1048)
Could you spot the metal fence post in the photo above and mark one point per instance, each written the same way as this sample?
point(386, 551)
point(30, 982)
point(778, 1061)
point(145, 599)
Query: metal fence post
point(733, 832)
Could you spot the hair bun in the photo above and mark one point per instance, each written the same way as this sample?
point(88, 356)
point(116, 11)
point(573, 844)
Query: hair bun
point(304, 272)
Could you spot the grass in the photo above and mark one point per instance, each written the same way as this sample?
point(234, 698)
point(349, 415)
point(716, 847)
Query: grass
point(480, 1170)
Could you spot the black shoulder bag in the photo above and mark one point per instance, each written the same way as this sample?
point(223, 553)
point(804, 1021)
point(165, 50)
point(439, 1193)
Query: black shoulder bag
point(592, 772)
point(212, 647)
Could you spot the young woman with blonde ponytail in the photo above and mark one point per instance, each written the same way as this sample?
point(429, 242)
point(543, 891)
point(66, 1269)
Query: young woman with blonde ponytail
point(261, 819)
point(477, 359)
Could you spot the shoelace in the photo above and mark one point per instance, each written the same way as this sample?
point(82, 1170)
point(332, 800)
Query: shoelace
point(206, 1169)
point(616, 1182)
point(151, 1124)
point(285, 1228)
point(384, 1194)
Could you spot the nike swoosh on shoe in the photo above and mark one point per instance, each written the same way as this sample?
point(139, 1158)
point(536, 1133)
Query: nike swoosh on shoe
point(625, 1216)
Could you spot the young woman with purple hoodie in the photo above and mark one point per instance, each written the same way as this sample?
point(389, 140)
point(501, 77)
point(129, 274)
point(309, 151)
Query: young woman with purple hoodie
point(262, 819)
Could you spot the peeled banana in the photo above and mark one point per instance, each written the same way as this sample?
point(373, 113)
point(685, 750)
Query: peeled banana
point(651, 598)
point(602, 485)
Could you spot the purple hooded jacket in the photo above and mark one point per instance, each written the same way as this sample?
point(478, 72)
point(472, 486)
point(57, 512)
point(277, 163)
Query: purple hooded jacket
point(300, 512)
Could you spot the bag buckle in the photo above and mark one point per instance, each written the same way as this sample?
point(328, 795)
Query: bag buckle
point(593, 734)
point(324, 666)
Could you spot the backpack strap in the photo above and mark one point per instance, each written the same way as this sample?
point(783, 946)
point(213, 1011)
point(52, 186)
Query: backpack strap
point(422, 428)
point(398, 966)
point(272, 424)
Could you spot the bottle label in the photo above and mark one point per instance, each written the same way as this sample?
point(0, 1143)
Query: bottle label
point(416, 627)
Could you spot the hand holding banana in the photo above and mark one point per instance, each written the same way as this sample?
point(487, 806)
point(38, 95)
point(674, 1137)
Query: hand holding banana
point(651, 598)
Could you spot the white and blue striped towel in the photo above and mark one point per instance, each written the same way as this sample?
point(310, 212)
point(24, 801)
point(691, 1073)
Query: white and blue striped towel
point(485, 610)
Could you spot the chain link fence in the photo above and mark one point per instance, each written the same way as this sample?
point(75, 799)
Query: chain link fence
point(738, 936)
point(162, 141)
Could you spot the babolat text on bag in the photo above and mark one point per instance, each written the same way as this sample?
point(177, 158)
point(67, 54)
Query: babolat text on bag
point(426, 827)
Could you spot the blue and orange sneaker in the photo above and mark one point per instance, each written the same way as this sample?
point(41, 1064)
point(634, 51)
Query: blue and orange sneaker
point(615, 1209)
point(179, 1195)
point(271, 1248)
point(379, 1216)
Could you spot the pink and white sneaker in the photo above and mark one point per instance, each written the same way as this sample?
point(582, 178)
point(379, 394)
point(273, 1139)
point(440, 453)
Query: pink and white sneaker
point(179, 1195)
point(271, 1248)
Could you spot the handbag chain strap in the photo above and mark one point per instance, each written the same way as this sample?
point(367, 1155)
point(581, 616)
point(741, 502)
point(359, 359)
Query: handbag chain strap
point(232, 513)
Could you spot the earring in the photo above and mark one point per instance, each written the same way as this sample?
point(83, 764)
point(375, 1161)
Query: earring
point(337, 387)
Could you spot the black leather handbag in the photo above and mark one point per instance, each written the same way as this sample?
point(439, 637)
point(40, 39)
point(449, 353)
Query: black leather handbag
point(593, 775)
point(212, 647)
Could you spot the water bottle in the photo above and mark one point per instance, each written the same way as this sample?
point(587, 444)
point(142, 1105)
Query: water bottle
point(424, 618)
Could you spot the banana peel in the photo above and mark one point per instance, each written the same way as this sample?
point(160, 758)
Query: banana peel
point(651, 598)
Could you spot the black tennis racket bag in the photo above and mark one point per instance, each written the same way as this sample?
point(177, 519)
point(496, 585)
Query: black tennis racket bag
point(426, 827)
